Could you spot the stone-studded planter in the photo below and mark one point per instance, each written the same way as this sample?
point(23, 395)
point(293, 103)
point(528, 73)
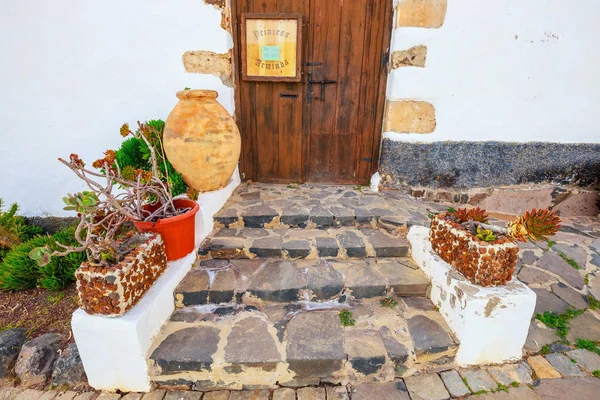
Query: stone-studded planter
point(483, 263)
point(113, 291)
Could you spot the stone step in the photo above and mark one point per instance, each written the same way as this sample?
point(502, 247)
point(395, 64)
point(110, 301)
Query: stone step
point(295, 243)
point(274, 280)
point(237, 347)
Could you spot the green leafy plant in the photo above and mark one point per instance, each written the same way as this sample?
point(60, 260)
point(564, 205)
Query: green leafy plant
point(55, 299)
point(596, 373)
point(389, 302)
point(14, 229)
point(593, 303)
point(559, 322)
point(346, 318)
point(485, 234)
point(545, 349)
point(587, 345)
point(514, 384)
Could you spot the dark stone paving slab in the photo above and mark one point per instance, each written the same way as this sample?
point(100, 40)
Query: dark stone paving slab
point(297, 248)
point(342, 216)
point(324, 281)
point(575, 299)
point(327, 247)
point(11, 341)
point(315, 344)
point(180, 350)
point(258, 216)
point(250, 344)
point(278, 281)
point(295, 217)
point(533, 276)
point(388, 391)
point(586, 326)
point(427, 386)
point(402, 280)
point(548, 301)
point(569, 388)
point(270, 247)
point(553, 263)
point(573, 251)
point(387, 246)
point(365, 280)
point(353, 244)
point(397, 351)
point(193, 289)
point(564, 365)
point(428, 336)
point(321, 216)
point(365, 350)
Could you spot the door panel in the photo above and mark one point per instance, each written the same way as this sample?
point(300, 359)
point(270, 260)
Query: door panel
point(333, 134)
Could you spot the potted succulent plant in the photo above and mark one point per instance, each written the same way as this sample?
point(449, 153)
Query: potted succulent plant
point(487, 254)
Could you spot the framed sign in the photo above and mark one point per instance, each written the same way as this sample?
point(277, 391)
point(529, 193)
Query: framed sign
point(271, 47)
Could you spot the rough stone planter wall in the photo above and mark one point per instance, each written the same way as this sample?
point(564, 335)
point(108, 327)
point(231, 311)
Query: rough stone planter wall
point(483, 263)
point(113, 291)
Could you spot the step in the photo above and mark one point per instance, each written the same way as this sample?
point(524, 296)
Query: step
point(320, 280)
point(235, 347)
point(294, 243)
point(310, 206)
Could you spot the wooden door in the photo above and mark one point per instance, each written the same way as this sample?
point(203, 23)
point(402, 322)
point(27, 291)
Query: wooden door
point(326, 128)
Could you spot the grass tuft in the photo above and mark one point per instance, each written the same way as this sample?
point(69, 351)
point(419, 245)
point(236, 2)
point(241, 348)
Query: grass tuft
point(346, 318)
point(587, 345)
point(559, 322)
point(389, 302)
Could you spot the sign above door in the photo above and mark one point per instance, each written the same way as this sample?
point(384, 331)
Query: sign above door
point(271, 47)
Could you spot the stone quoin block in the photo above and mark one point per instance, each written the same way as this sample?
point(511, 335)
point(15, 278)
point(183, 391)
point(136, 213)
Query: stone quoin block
point(421, 13)
point(409, 117)
point(210, 63)
point(413, 57)
point(113, 291)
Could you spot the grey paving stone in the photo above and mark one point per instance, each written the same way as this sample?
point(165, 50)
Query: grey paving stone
point(116, 396)
point(418, 303)
point(426, 387)
point(269, 247)
point(524, 373)
point(568, 388)
point(223, 286)
point(315, 344)
point(478, 380)
point(573, 251)
point(311, 393)
point(404, 281)
point(51, 395)
point(70, 395)
point(428, 336)
point(504, 375)
point(193, 289)
point(575, 299)
point(365, 280)
point(528, 257)
point(386, 245)
point(251, 344)
point(586, 359)
point(353, 244)
point(585, 326)
point(180, 352)
point(301, 382)
point(365, 350)
point(595, 260)
point(533, 276)
point(518, 393)
point(297, 248)
point(396, 351)
point(86, 396)
point(157, 394)
point(132, 396)
point(454, 383)
point(337, 393)
point(226, 247)
point(321, 216)
point(342, 216)
point(553, 263)
point(11, 341)
point(284, 394)
point(327, 247)
point(258, 216)
point(559, 348)
point(29, 394)
point(36, 359)
point(548, 301)
point(294, 216)
point(324, 281)
point(364, 216)
point(564, 365)
point(226, 217)
point(539, 335)
point(374, 391)
point(278, 281)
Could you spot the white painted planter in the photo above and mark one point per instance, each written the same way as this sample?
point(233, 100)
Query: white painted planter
point(491, 323)
point(114, 350)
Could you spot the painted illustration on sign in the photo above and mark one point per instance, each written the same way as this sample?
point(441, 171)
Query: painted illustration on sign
point(271, 48)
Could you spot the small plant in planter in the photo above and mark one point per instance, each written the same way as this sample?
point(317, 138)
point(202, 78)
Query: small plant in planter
point(487, 254)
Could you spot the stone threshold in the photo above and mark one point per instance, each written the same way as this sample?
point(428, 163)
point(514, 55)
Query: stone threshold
point(316, 280)
point(293, 244)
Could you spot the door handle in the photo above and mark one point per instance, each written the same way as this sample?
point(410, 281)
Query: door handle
point(288, 95)
point(322, 82)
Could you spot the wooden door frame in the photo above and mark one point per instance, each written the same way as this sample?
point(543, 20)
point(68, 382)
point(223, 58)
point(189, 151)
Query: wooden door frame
point(380, 104)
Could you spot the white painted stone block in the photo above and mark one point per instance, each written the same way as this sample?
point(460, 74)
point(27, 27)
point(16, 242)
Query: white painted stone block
point(114, 350)
point(490, 323)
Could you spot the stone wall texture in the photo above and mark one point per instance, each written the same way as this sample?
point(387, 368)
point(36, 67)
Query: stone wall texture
point(421, 13)
point(414, 57)
point(409, 117)
point(485, 164)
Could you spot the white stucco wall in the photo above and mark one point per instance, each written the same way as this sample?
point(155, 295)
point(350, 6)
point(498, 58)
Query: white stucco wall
point(507, 70)
point(73, 72)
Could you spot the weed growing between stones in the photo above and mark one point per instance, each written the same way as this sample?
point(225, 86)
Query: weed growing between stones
point(389, 302)
point(587, 345)
point(586, 279)
point(501, 388)
point(346, 318)
point(545, 350)
point(596, 373)
point(593, 303)
point(559, 322)
point(514, 384)
point(569, 260)
point(467, 384)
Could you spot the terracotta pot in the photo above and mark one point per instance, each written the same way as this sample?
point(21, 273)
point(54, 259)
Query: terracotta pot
point(113, 291)
point(483, 263)
point(178, 232)
point(202, 140)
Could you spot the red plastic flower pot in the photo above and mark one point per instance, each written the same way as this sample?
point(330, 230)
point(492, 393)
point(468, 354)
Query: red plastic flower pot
point(177, 232)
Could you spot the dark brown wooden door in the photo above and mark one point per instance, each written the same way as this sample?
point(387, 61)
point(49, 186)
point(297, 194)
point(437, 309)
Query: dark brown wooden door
point(318, 132)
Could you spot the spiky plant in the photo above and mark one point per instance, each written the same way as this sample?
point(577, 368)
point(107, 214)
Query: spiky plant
point(536, 224)
point(470, 214)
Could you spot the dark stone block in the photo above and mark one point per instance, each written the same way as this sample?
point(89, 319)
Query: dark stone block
point(68, 368)
point(36, 359)
point(428, 336)
point(324, 281)
point(224, 311)
point(327, 247)
point(258, 216)
point(397, 352)
point(193, 290)
point(277, 281)
point(181, 351)
point(342, 216)
point(11, 341)
point(297, 248)
point(369, 365)
point(270, 247)
point(321, 216)
point(364, 216)
point(559, 348)
point(226, 217)
point(388, 246)
point(250, 344)
point(458, 164)
point(354, 245)
point(294, 217)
